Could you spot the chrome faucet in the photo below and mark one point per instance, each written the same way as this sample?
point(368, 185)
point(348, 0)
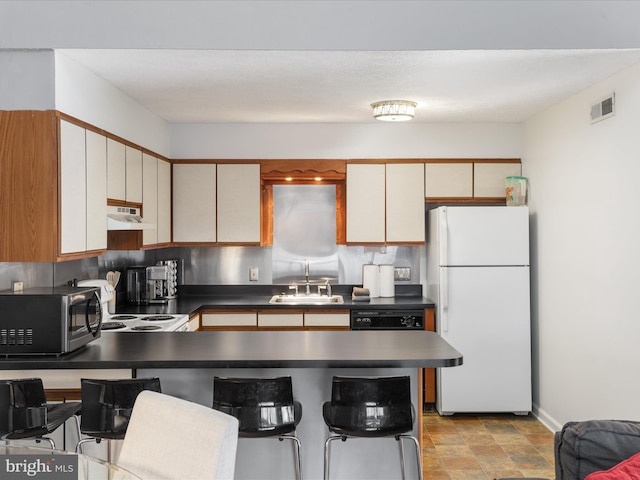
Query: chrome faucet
point(306, 276)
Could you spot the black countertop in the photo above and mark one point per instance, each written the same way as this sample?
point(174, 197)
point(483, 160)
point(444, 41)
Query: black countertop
point(196, 298)
point(253, 349)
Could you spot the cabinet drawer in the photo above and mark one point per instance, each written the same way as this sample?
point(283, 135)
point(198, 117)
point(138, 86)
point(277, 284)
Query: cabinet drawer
point(280, 319)
point(229, 319)
point(326, 320)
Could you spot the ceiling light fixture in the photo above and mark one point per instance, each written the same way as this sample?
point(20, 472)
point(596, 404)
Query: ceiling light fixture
point(394, 110)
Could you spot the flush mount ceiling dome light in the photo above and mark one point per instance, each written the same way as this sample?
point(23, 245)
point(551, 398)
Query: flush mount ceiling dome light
point(394, 110)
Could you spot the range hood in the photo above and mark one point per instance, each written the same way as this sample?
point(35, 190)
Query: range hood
point(126, 218)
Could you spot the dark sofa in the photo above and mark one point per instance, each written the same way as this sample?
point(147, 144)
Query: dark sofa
point(585, 447)
point(594, 445)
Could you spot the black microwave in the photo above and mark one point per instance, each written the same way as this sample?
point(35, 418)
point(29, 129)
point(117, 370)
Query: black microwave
point(49, 320)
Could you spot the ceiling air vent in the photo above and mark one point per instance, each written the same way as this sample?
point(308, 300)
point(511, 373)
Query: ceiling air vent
point(603, 109)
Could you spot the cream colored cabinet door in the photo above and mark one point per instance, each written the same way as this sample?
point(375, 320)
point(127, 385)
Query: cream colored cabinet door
point(448, 180)
point(279, 320)
point(365, 203)
point(164, 201)
point(150, 198)
point(133, 180)
point(405, 202)
point(83, 196)
point(73, 195)
point(245, 320)
point(116, 170)
point(489, 178)
point(194, 203)
point(238, 203)
point(96, 164)
point(327, 320)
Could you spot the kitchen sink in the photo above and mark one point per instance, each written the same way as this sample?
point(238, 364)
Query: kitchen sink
point(306, 299)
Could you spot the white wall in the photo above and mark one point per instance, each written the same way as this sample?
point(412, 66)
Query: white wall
point(82, 94)
point(26, 80)
point(378, 140)
point(585, 259)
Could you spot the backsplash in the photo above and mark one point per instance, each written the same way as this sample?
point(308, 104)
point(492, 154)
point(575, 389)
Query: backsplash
point(214, 265)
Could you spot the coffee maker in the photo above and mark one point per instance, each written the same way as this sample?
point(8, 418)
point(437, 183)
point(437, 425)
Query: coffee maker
point(152, 284)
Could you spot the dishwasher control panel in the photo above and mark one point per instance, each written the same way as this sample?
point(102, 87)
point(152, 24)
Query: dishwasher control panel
point(387, 319)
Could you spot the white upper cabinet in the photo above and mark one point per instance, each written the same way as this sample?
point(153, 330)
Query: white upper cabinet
point(96, 163)
point(365, 203)
point(73, 201)
point(238, 203)
point(133, 180)
point(164, 201)
point(489, 178)
point(83, 200)
point(405, 202)
point(194, 203)
point(156, 199)
point(150, 198)
point(116, 170)
point(448, 180)
point(385, 203)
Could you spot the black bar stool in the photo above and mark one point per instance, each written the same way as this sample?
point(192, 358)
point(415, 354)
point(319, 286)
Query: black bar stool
point(26, 415)
point(370, 407)
point(107, 407)
point(264, 408)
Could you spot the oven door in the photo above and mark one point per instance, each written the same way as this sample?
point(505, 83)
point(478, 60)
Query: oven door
point(84, 318)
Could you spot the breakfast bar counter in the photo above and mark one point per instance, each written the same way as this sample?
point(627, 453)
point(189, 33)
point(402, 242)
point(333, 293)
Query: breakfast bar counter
point(252, 349)
point(187, 362)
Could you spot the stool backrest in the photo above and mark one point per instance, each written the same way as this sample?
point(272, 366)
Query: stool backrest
point(23, 405)
point(107, 404)
point(260, 404)
point(371, 403)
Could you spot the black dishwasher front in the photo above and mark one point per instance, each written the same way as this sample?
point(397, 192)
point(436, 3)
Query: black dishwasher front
point(373, 319)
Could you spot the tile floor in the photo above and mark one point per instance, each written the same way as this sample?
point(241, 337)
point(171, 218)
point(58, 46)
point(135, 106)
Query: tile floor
point(485, 447)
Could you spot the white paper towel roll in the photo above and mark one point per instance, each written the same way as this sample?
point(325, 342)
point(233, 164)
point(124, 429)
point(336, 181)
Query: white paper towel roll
point(387, 285)
point(371, 279)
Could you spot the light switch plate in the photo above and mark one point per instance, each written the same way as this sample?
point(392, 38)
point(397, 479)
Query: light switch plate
point(253, 274)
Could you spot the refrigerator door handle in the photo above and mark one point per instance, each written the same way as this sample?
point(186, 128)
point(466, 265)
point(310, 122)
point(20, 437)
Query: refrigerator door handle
point(444, 299)
point(444, 236)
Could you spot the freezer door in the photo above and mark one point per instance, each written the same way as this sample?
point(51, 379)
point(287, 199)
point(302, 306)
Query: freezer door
point(486, 317)
point(483, 236)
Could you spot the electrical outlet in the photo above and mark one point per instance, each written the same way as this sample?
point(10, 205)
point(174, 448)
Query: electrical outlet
point(18, 286)
point(402, 274)
point(253, 274)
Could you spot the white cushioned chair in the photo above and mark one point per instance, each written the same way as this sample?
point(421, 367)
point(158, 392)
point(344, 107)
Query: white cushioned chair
point(169, 438)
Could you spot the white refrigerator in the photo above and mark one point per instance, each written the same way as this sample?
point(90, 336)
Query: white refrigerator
point(478, 275)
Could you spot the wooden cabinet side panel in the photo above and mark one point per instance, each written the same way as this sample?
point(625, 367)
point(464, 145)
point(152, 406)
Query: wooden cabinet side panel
point(28, 186)
point(429, 374)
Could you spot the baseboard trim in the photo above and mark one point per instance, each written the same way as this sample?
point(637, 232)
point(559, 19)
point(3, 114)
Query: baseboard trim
point(545, 419)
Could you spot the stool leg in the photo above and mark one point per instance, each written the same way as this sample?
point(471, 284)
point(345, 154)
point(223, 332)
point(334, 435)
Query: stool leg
point(296, 453)
point(404, 474)
point(418, 453)
point(327, 454)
